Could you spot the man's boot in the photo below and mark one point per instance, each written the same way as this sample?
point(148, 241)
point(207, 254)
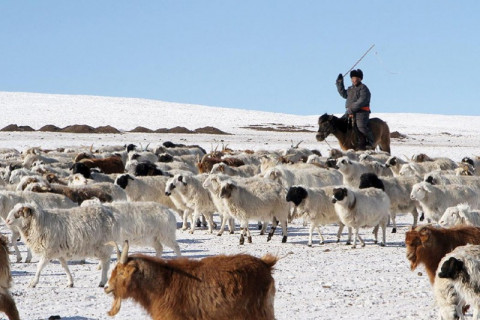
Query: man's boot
point(361, 145)
point(370, 143)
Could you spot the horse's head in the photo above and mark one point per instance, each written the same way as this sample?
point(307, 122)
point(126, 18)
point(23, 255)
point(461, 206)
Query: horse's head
point(325, 126)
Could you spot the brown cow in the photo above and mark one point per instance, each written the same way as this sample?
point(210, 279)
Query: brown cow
point(428, 244)
point(215, 288)
point(7, 304)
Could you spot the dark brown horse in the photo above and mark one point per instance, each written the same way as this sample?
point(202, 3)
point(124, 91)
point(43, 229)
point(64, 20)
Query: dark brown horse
point(347, 135)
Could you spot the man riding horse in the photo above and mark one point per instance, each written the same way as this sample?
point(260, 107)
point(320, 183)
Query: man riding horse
point(358, 107)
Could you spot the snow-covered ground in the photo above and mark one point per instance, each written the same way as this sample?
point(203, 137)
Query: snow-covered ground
point(330, 281)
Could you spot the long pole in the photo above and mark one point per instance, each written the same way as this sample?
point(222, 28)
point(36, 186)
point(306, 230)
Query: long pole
point(358, 61)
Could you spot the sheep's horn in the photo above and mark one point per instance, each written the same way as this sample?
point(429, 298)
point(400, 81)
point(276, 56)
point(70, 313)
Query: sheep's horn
point(124, 256)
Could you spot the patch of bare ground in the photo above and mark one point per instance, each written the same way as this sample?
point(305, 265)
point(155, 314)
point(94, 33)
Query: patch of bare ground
point(82, 128)
point(210, 130)
point(14, 127)
point(278, 128)
point(78, 128)
point(50, 128)
point(397, 135)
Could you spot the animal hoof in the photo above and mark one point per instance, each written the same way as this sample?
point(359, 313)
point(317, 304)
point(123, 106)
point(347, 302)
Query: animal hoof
point(309, 244)
point(284, 239)
point(394, 230)
point(242, 239)
point(101, 285)
point(382, 244)
point(354, 247)
point(219, 234)
point(20, 259)
point(232, 232)
point(422, 217)
point(259, 226)
point(321, 242)
point(348, 243)
point(363, 245)
point(70, 285)
point(249, 239)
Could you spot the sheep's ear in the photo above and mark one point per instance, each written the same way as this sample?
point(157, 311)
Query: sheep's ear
point(231, 186)
point(24, 212)
point(130, 177)
point(427, 188)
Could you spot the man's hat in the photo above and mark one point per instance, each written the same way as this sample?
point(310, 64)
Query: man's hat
point(356, 73)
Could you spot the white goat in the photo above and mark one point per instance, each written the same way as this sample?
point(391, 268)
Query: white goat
point(362, 208)
point(352, 170)
point(315, 204)
point(435, 199)
point(64, 234)
point(460, 214)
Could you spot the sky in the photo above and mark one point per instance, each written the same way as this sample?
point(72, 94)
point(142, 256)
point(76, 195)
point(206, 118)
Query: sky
point(272, 55)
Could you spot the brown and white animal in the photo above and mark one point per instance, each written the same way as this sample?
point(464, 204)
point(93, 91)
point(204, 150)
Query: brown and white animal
point(108, 165)
point(7, 304)
point(427, 244)
point(215, 288)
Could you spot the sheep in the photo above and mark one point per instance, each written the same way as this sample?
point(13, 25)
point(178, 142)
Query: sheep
point(180, 150)
point(352, 170)
point(395, 164)
point(316, 205)
point(8, 199)
point(65, 234)
point(421, 168)
point(108, 165)
point(306, 175)
point(457, 275)
point(247, 170)
point(17, 175)
point(7, 304)
point(215, 288)
point(362, 208)
point(398, 190)
point(261, 199)
point(460, 214)
point(194, 196)
point(438, 177)
point(145, 223)
point(428, 244)
point(76, 194)
point(461, 267)
point(434, 199)
point(206, 163)
point(145, 188)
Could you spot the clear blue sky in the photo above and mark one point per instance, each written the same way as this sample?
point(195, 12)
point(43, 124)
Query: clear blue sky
point(281, 56)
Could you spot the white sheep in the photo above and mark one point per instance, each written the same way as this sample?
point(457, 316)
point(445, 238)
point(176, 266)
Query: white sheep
point(352, 170)
point(144, 224)
point(8, 199)
point(194, 196)
point(150, 188)
point(64, 234)
point(398, 190)
point(460, 214)
point(459, 269)
point(315, 204)
point(261, 199)
point(368, 207)
point(435, 199)
point(247, 170)
point(305, 174)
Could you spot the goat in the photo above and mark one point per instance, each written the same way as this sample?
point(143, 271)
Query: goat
point(113, 164)
point(215, 288)
point(427, 244)
point(7, 304)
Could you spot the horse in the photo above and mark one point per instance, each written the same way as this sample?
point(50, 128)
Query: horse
point(347, 135)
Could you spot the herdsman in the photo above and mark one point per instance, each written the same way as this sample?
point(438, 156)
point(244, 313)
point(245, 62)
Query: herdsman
point(358, 106)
